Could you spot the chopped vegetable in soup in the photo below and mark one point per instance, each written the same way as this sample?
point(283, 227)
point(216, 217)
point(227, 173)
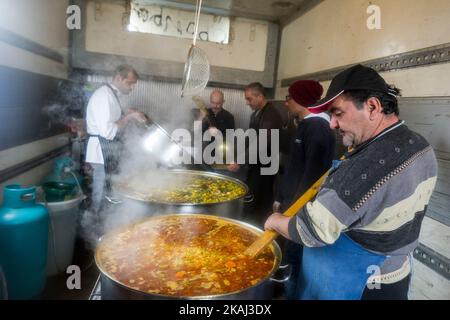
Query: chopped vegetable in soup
point(184, 255)
point(182, 188)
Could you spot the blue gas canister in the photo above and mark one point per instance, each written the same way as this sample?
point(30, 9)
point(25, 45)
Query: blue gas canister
point(23, 242)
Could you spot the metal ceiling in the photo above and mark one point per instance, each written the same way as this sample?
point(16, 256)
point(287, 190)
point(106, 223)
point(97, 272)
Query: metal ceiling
point(268, 10)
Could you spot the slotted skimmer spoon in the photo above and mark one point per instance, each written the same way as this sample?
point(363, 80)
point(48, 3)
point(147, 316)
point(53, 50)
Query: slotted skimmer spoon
point(196, 69)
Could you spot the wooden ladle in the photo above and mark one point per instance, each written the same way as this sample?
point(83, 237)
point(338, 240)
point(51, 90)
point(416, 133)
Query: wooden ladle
point(201, 105)
point(268, 236)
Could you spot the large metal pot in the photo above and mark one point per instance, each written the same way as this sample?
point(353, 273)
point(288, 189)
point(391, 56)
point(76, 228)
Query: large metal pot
point(232, 208)
point(160, 146)
point(111, 289)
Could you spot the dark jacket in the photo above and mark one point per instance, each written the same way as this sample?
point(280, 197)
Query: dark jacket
point(311, 155)
point(223, 120)
point(261, 186)
point(267, 118)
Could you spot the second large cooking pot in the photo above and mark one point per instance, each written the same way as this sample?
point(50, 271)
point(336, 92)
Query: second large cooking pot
point(185, 191)
point(185, 257)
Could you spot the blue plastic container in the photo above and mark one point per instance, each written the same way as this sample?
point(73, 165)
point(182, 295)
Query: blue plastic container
point(23, 242)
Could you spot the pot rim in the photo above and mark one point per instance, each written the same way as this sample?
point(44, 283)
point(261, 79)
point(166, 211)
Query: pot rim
point(274, 246)
point(191, 172)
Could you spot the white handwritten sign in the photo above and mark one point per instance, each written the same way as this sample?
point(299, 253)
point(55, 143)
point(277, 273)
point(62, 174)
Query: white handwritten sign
point(178, 23)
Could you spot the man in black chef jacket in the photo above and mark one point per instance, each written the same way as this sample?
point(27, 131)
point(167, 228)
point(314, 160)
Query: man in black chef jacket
point(217, 119)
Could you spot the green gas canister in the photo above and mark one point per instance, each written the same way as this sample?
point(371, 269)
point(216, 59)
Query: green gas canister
point(23, 242)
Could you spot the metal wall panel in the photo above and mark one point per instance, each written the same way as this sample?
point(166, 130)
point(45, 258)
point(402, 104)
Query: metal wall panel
point(23, 43)
point(430, 117)
point(83, 59)
point(413, 59)
point(162, 102)
point(23, 98)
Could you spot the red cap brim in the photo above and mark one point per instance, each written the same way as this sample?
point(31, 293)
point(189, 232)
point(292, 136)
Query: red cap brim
point(324, 104)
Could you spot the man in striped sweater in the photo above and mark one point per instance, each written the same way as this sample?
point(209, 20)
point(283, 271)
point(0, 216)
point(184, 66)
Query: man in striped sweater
point(360, 231)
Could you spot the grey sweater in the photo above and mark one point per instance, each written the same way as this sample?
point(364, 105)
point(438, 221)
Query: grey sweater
point(378, 196)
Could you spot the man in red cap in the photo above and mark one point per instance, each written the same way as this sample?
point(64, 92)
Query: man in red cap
point(311, 155)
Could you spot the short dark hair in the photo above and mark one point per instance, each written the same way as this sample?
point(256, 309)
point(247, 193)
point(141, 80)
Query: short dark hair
point(388, 101)
point(257, 87)
point(124, 70)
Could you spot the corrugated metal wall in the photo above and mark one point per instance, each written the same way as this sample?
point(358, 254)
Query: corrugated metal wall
point(430, 117)
point(163, 103)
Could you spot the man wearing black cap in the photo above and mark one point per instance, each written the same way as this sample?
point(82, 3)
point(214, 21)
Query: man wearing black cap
point(360, 231)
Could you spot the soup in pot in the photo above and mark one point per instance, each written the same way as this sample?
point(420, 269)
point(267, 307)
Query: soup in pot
point(184, 255)
point(181, 187)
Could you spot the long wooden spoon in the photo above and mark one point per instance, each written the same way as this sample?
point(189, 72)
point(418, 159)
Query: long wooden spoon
point(268, 236)
point(201, 105)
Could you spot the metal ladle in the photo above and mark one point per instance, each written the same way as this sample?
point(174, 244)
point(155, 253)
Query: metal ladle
point(196, 69)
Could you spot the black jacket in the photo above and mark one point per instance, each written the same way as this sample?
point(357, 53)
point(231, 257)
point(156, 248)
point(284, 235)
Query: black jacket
point(267, 118)
point(261, 186)
point(223, 120)
point(311, 155)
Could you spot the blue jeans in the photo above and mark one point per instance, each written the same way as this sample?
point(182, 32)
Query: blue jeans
point(292, 255)
point(98, 186)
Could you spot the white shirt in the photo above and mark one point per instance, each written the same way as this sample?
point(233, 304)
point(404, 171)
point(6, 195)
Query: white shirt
point(103, 111)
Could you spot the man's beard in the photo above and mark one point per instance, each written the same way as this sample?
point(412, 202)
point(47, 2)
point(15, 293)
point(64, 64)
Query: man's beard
point(348, 140)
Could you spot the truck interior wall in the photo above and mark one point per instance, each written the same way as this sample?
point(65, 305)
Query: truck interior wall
point(240, 53)
point(104, 42)
point(334, 34)
point(29, 79)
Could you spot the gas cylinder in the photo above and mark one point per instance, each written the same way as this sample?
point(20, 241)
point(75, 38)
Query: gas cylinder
point(23, 242)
